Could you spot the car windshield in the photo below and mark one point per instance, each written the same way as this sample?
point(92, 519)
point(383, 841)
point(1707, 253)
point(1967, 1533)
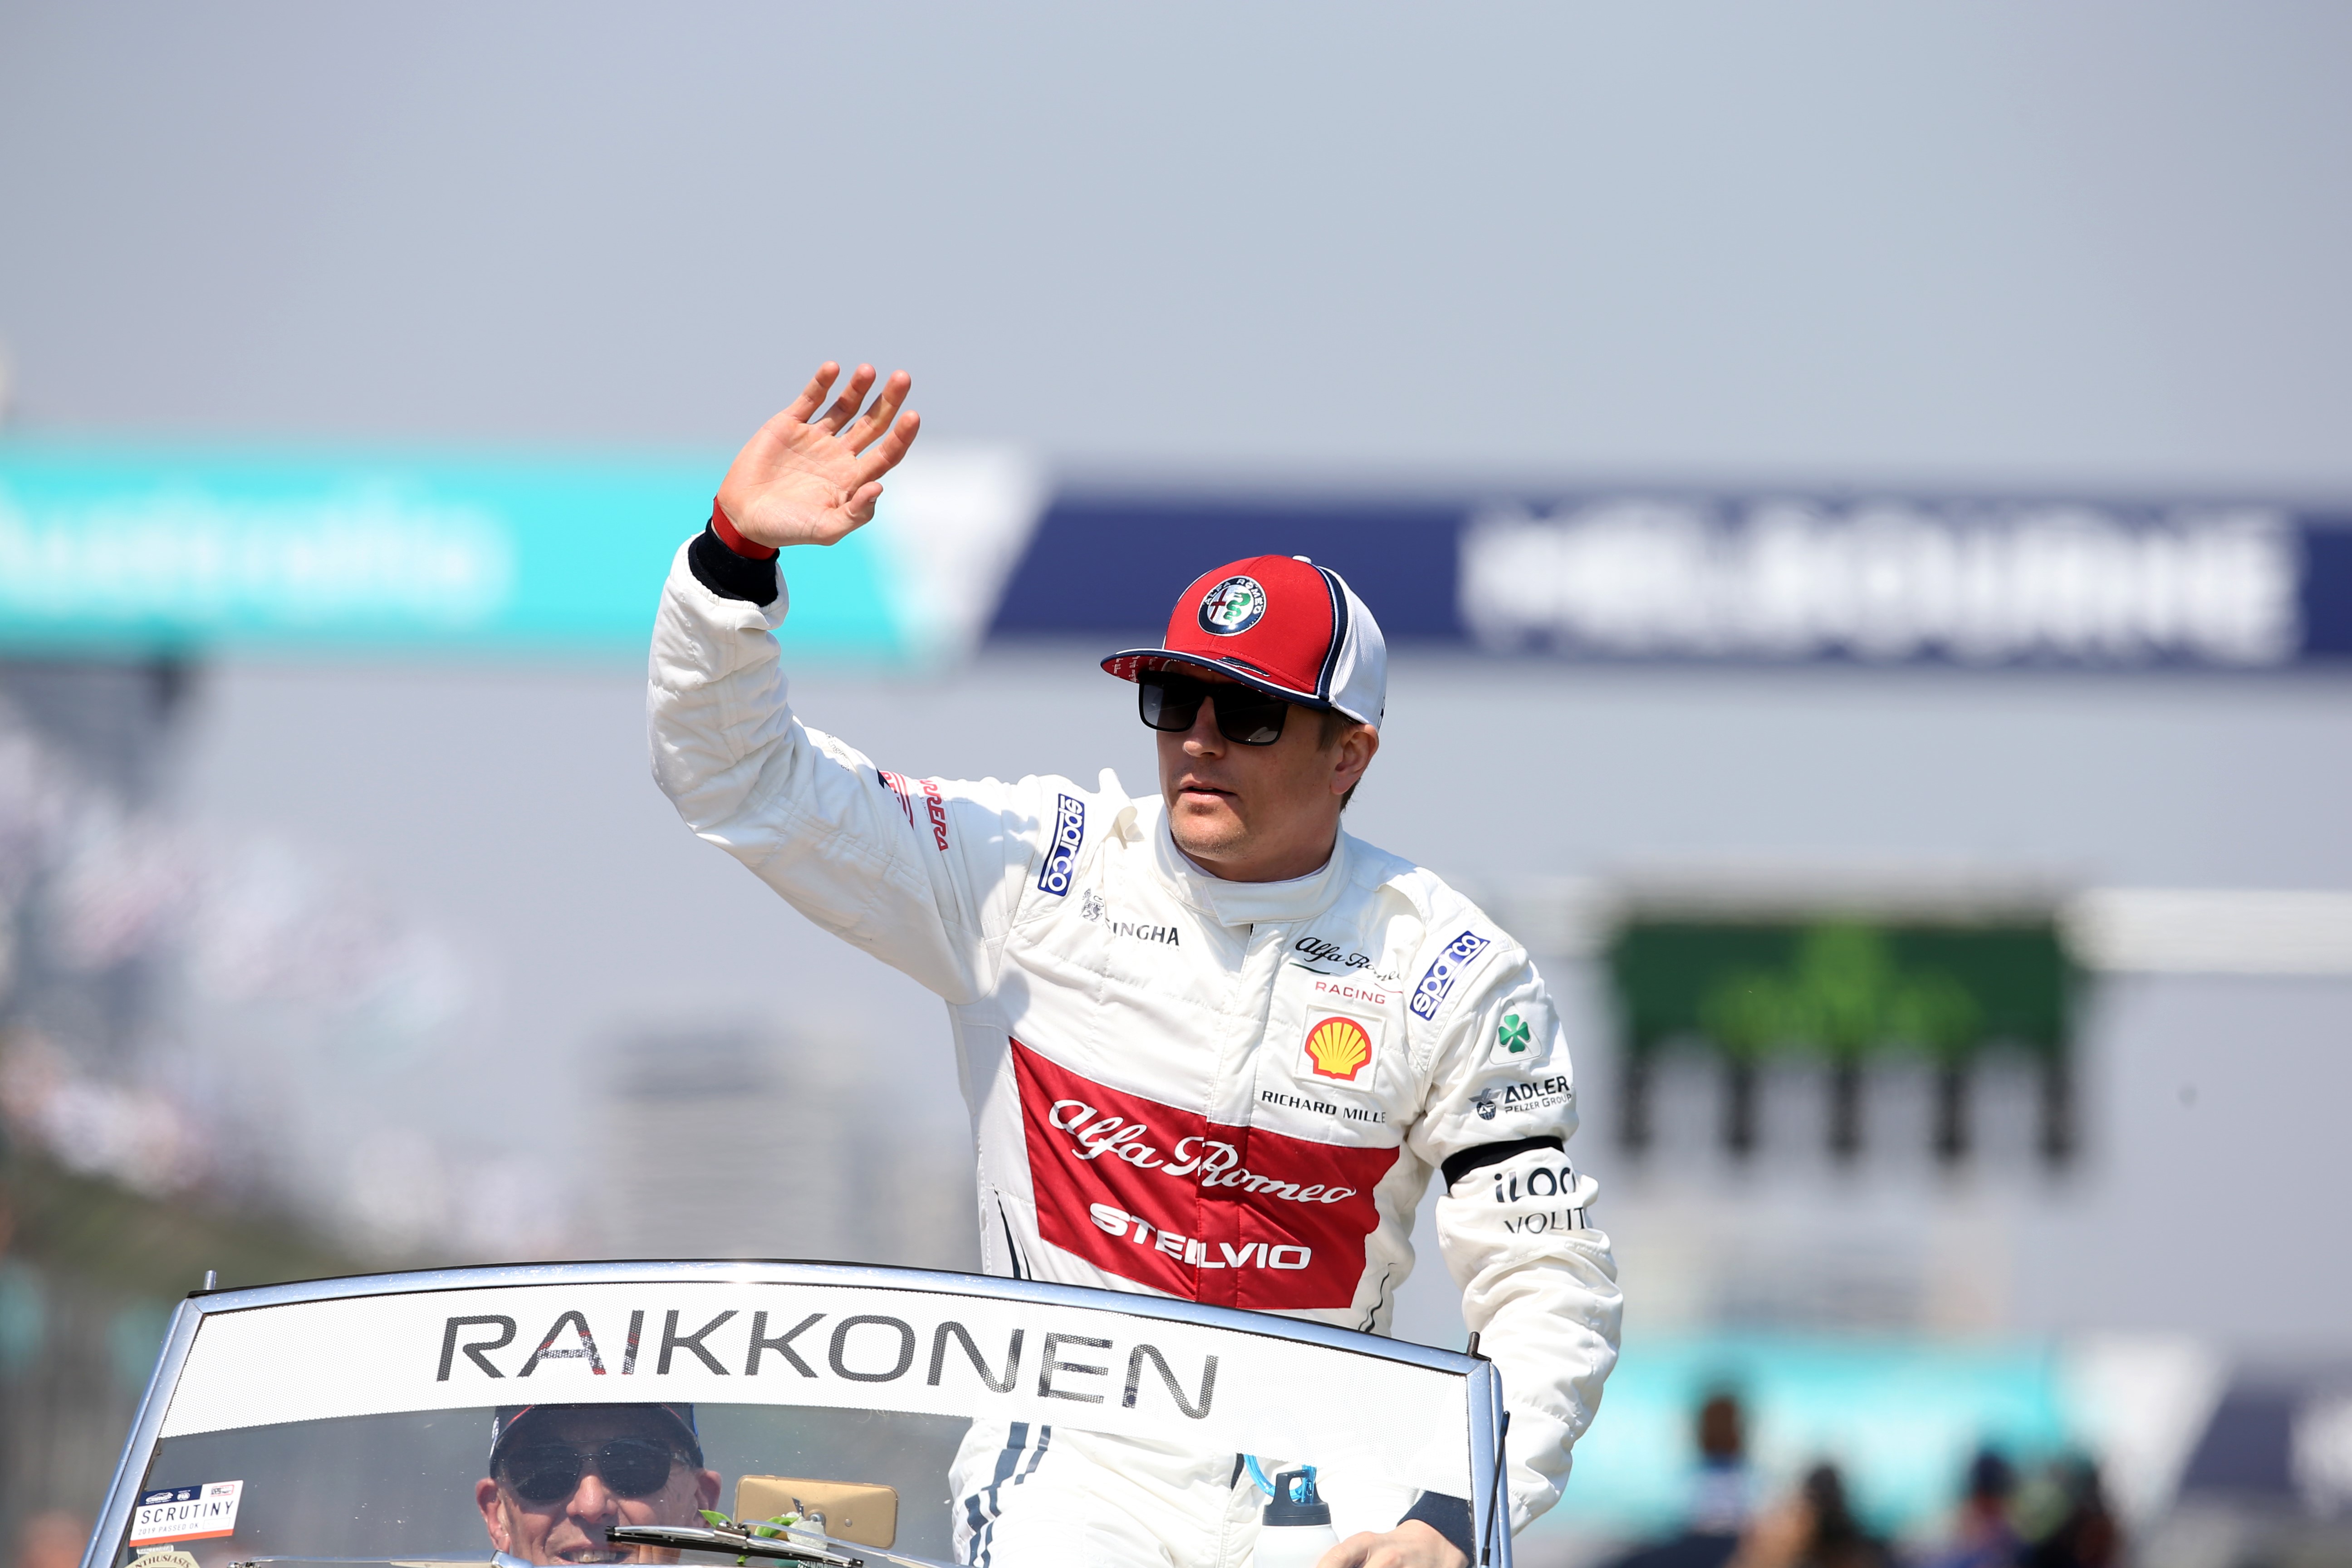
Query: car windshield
point(705, 1412)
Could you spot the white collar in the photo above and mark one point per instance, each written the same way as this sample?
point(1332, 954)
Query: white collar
point(1232, 903)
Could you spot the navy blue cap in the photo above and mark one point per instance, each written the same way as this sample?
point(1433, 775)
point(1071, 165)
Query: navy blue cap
point(510, 1416)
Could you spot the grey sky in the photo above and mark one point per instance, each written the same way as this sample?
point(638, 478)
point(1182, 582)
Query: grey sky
point(2100, 243)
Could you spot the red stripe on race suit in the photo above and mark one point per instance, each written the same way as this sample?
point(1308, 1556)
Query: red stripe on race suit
point(1234, 1216)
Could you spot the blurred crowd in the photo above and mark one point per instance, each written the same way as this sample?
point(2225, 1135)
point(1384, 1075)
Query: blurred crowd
point(185, 1011)
point(2054, 1515)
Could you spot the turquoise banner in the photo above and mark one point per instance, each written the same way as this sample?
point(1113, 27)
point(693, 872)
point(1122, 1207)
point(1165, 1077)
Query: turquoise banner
point(115, 551)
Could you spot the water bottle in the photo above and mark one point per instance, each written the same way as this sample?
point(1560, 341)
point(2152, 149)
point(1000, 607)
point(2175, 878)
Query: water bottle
point(1295, 1531)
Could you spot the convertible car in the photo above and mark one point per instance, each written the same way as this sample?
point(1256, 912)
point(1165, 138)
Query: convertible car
point(709, 1413)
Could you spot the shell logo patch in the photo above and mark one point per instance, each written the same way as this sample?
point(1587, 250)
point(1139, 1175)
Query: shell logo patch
point(1339, 1048)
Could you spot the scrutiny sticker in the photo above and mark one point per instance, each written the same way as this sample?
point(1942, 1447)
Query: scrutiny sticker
point(186, 1513)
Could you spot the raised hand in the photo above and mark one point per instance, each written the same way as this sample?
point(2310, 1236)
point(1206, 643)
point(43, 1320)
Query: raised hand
point(812, 478)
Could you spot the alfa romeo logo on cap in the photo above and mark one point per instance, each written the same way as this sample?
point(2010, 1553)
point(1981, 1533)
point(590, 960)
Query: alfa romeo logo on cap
point(1233, 606)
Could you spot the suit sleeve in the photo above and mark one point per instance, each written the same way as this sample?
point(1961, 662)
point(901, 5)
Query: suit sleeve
point(1538, 1282)
point(922, 874)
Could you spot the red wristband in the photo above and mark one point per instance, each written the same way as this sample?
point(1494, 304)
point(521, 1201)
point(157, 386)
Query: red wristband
point(734, 540)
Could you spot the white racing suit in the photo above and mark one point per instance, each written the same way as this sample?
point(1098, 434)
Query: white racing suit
point(1223, 1091)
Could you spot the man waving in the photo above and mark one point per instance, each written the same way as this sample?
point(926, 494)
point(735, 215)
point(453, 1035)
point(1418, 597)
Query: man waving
point(1213, 1047)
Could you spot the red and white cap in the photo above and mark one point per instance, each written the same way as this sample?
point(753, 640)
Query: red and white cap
point(1281, 624)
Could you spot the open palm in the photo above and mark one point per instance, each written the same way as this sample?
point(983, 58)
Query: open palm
point(810, 478)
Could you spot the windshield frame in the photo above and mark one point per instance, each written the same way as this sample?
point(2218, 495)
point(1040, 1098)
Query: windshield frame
point(1482, 1385)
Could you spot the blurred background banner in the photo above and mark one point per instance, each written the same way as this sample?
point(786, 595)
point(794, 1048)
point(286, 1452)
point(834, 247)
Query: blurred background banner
point(129, 549)
point(113, 550)
point(1772, 576)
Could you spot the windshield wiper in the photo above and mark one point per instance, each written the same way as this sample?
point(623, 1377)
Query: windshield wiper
point(743, 1543)
point(732, 1542)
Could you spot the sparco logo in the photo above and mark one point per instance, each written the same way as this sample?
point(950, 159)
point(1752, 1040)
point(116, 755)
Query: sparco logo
point(1062, 854)
point(1217, 1164)
point(1446, 968)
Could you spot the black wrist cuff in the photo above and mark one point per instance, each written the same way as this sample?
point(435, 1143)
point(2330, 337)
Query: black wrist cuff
point(1459, 1165)
point(727, 575)
point(1449, 1516)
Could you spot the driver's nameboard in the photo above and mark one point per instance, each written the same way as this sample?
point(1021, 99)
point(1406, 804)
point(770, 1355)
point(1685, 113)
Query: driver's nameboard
point(841, 1346)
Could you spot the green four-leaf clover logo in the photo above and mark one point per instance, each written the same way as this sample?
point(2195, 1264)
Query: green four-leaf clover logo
point(1513, 1034)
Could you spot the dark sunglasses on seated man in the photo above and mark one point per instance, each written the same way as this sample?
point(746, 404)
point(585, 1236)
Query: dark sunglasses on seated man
point(632, 1468)
point(1246, 716)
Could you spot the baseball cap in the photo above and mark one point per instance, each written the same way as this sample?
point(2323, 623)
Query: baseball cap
point(1279, 624)
point(509, 1417)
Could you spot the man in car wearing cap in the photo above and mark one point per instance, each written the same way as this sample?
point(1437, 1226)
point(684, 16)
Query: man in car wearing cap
point(1213, 1047)
point(559, 1474)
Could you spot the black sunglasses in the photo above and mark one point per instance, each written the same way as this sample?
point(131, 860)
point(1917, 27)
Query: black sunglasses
point(1173, 703)
point(632, 1468)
